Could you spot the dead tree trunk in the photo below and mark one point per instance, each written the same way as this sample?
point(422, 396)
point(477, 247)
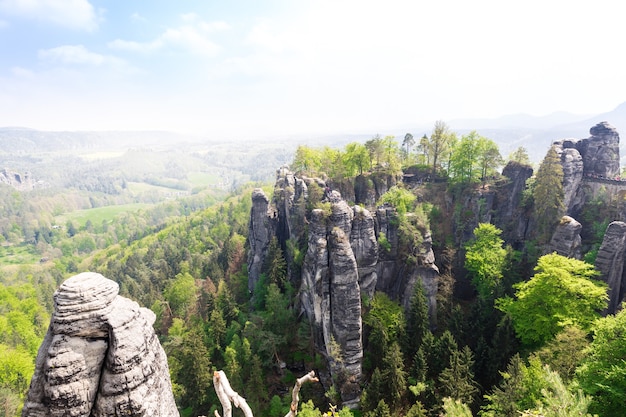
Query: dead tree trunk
point(227, 395)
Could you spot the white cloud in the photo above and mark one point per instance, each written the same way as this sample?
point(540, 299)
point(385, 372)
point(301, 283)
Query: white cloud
point(78, 55)
point(193, 38)
point(73, 14)
point(137, 17)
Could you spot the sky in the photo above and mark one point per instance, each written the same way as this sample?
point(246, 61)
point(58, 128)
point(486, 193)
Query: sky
point(297, 66)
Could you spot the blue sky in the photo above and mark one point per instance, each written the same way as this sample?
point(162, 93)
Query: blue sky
point(298, 66)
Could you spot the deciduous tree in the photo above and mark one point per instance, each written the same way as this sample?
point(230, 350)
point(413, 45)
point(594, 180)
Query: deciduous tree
point(561, 293)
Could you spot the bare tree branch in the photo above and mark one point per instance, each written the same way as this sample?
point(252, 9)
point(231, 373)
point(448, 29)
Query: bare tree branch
point(227, 395)
point(293, 410)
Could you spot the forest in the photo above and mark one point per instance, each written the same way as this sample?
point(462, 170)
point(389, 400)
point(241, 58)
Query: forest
point(519, 330)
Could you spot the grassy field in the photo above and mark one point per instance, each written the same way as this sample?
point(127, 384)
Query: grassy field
point(99, 214)
point(203, 179)
point(18, 255)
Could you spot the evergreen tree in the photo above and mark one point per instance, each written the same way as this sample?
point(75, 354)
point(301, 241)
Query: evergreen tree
point(417, 321)
point(374, 391)
point(381, 410)
point(548, 194)
point(457, 380)
point(394, 376)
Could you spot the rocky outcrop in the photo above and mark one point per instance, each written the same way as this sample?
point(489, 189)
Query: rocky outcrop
point(261, 228)
point(610, 263)
point(396, 275)
point(509, 215)
point(100, 357)
point(566, 239)
point(592, 159)
point(331, 296)
point(22, 182)
point(600, 152)
point(573, 168)
point(365, 248)
point(343, 262)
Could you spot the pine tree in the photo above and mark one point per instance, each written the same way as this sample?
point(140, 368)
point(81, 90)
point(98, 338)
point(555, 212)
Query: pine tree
point(275, 265)
point(417, 321)
point(394, 376)
point(548, 194)
point(457, 380)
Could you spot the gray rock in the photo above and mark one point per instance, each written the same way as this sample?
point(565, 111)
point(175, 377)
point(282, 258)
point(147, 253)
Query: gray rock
point(343, 262)
point(573, 168)
point(566, 239)
point(260, 231)
point(610, 263)
point(600, 152)
point(100, 357)
point(365, 249)
point(509, 215)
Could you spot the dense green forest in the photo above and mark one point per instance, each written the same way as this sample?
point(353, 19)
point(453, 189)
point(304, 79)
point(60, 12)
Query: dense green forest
point(527, 338)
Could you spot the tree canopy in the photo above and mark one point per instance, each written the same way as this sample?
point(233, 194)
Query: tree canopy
point(563, 292)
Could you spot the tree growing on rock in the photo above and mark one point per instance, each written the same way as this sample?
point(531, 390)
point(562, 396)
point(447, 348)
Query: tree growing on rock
point(548, 194)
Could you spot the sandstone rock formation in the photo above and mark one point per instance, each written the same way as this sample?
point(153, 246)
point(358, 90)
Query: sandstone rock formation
point(342, 263)
point(610, 263)
point(566, 240)
point(331, 296)
point(586, 161)
point(509, 215)
point(261, 228)
point(600, 152)
point(573, 169)
point(100, 357)
point(22, 182)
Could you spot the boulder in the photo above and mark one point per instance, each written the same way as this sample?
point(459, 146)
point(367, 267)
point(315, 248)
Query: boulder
point(100, 356)
point(610, 263)
point(566, 239)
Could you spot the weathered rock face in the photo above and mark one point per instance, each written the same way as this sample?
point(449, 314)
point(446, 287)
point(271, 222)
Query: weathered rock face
point(573, 168)
point(600, 152)
point(610, 263)
point(331, 296)
point(365, 249)
point(398, 278)
point(509, 216)
point(343, 261)
point(100, 357)
point(261, 228)
point(566, 239)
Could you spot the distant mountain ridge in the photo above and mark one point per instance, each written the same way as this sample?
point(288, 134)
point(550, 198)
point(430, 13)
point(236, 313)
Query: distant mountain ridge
point(535, 133)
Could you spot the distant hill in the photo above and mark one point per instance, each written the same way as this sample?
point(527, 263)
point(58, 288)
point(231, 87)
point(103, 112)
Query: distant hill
point(535, 133)
point(25, 140)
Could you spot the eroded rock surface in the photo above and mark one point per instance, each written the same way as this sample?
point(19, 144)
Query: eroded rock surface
point(100, 357)
point(343, 263)
point(600, 151)
point(610, 263)
point(566, 240)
